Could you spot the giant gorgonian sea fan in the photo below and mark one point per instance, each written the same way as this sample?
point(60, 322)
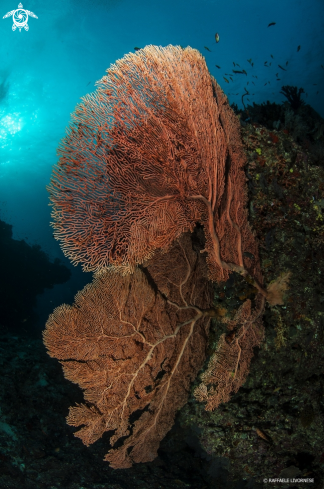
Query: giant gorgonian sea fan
point(151, 154)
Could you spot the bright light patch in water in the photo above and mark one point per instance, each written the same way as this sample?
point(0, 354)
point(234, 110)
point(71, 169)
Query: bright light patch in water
point(9, 125)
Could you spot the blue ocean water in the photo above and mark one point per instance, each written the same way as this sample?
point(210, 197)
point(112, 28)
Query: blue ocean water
point(44, 71)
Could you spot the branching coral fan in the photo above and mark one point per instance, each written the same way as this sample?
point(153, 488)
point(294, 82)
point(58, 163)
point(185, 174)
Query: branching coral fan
point(154, 151)
point(132, 347)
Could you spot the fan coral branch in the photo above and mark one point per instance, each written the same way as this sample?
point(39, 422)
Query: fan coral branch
point(229, 365)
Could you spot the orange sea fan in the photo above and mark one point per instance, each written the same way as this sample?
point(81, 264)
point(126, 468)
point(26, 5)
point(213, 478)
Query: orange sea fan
point(134, 344)
point(153, 151)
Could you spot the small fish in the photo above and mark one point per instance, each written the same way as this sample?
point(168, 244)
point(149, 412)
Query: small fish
point(269, 64)
point(271, 23)
point(237, 71)
point(322, 67)
point(233, 63)
point(245, 73)
point(218, 67)
point(271, 56)
point(298, 49)
point(265, 84)
point(315, 84)
point(282, 68)
point(207, 49)
point(286, 63)
point(253, 83)
point(261, 434)
point(231, 78)
point(248, 83)
point(226, 79)
point(278, 79)
point(265, 62)
point(277, 74)
point(317, 93)
point(238, 65)
point(252, 64)
point(88, 83)
point(137, 49)
point(217, 37)
point(249, 60)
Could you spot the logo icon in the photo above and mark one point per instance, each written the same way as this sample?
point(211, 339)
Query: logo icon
point(20, 18)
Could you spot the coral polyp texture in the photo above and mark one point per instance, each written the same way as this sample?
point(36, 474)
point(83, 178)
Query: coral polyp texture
point(154, 150)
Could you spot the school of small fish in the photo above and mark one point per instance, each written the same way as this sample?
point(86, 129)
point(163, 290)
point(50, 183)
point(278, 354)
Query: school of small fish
point(242, 71)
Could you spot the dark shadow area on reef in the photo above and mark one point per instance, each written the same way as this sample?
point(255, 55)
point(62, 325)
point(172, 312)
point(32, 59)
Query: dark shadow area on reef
point(25, 272)
point(294, 117)
point(274, 426)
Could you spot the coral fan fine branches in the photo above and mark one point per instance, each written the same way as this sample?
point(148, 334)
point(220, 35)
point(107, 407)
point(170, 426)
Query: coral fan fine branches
point(134, 348)
point(229, 364)
point(153, 151)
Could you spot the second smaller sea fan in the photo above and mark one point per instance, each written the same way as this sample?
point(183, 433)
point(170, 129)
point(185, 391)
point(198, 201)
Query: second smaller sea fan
point(229, 365)
point(134, 348)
